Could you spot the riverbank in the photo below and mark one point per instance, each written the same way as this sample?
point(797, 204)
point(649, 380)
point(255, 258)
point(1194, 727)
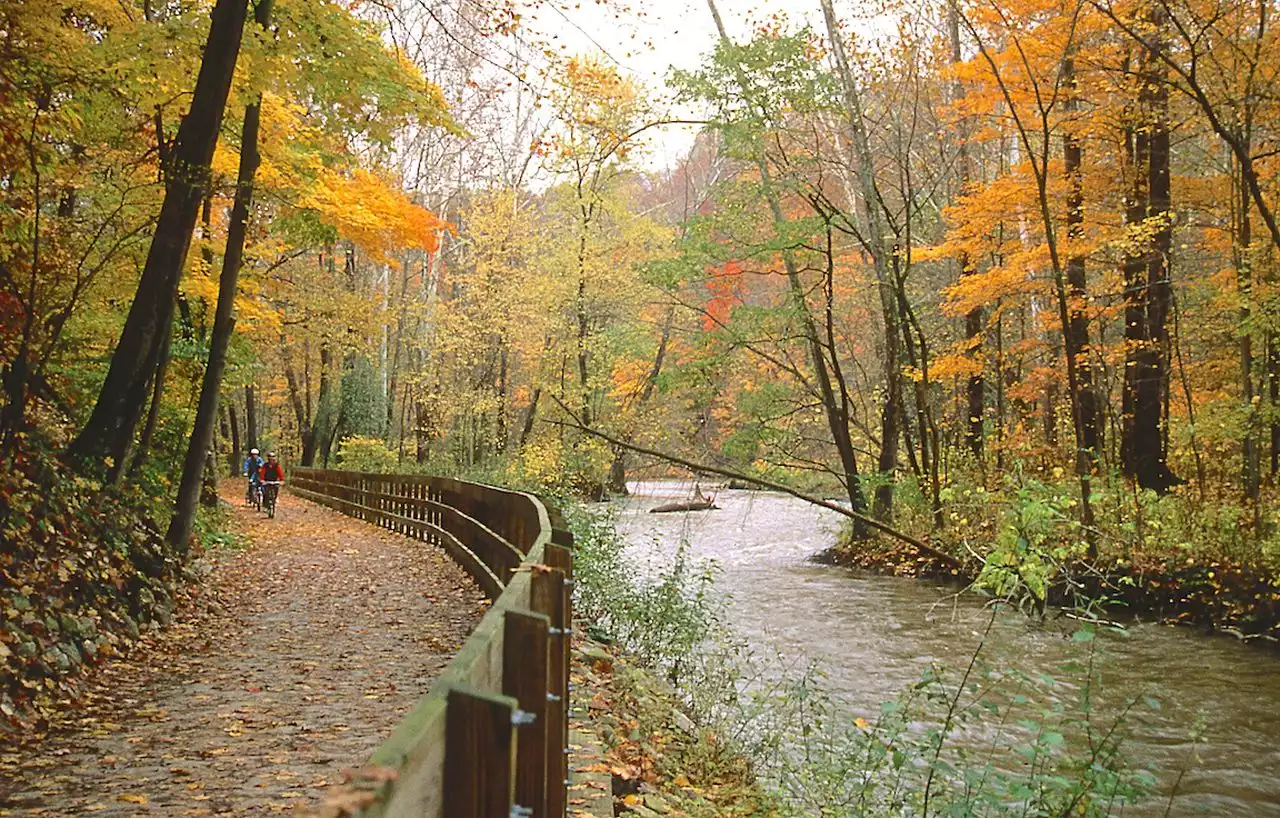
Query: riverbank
point(1231, 598)
point(660, 761)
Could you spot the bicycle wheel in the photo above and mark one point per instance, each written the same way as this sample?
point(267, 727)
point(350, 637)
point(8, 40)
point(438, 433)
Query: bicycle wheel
point(270, 501)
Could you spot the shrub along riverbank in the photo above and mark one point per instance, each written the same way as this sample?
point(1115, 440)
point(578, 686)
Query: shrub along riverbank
point(1177, 558)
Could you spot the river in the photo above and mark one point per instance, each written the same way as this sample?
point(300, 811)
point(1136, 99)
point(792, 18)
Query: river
point(875, 635)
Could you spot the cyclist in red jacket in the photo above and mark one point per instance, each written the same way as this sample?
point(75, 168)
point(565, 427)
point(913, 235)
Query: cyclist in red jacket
point(271, 471)
point(271, 478)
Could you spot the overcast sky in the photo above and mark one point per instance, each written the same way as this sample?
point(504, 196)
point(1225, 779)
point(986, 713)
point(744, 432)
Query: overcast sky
point(655, 35)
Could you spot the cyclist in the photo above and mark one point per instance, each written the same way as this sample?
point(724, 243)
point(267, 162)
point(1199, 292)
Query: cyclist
point(271, 478)
point(252, 470)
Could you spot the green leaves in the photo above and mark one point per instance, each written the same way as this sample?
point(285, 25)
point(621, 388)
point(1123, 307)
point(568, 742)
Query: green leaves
point(752, 89)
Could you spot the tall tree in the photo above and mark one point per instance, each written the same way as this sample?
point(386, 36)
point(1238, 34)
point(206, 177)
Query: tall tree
point(975, 386)
point(199, 446)
point(881, 245)
point(250, 417)
point(108, 433)
point(1148, 291)
point(1075, 332)
point(832, 388)
point(1033, 121)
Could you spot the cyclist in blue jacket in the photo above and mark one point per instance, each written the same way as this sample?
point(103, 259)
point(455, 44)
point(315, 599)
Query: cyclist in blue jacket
point(252, 470)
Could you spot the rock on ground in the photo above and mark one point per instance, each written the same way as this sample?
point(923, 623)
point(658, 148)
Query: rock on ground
point(306, 650)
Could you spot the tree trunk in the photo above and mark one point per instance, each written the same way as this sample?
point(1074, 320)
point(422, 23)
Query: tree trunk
point(917, 348)
point(209, 485)
point(330, 437)
point(530, 415)
point(236, 451)
point(422, 433)
point(317, 430)
point(1273, 387)
point(199, 447)
point(584, 390)
point(109, 430)
point(975, 389)
point(1155, 390)
point(250, 417)
point(1076, 332)
point(1251, 465)
point(393, 383)
point(617, 483)
point(886, 463)
point(500, 411)
point(1050, 414)
point(1001, 406)
point(153, 411)
point(879, 247)
point(1137, 428)
point(206, 232)
point(1146, 286)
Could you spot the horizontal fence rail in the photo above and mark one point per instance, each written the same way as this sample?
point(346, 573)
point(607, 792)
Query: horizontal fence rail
point(490, 738)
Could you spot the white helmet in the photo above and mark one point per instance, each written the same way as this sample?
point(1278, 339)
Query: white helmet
point(253, 451)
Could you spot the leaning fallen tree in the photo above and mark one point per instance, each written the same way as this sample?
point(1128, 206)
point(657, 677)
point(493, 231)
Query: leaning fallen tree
point(943, 557)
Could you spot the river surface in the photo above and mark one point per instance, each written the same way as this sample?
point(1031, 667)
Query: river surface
point(874, 636)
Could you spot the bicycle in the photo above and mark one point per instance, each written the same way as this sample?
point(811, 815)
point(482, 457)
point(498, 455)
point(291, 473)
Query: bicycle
point(255, 495)
point(270, 490)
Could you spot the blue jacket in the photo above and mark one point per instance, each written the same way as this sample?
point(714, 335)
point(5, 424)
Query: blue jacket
point(252, 464)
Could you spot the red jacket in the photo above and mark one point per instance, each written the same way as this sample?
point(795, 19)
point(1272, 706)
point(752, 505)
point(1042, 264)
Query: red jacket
point(271, 473)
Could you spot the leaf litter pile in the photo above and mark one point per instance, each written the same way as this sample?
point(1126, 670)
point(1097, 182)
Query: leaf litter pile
point(299, 657)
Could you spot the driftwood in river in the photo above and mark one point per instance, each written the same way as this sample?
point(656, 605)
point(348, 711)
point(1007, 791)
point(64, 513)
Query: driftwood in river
point(698, 503)
point(688, 505)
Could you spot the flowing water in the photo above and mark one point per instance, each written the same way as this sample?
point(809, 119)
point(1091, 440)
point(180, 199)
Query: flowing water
point(875, 635)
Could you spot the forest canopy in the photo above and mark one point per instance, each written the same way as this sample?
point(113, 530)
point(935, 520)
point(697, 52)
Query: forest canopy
point(1000, 276)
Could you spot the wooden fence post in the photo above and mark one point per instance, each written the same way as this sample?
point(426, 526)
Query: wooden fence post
point(480, 755)
point(547, 597)
point(524, 678)
point(561, 559)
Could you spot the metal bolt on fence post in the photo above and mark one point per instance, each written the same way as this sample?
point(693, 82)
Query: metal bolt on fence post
point(521, 718)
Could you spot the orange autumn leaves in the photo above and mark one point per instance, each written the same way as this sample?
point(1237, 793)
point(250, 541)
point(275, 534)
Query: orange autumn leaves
point(368, 211)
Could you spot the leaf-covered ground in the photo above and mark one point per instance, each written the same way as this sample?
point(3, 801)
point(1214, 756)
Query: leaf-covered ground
point(302, 654)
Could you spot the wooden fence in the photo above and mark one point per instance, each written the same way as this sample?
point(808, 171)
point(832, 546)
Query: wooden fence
point(490, 738)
